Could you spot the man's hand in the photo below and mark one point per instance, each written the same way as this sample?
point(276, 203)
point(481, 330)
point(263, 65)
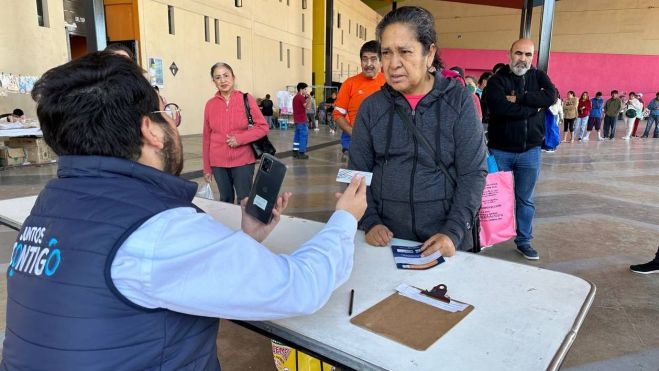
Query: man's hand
point(257, 230)
point(511, 98)
point(379, 235)
point(438, 242)
point(353, 200)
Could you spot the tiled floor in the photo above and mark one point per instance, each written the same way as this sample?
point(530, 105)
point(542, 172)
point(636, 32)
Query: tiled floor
point(597, 213)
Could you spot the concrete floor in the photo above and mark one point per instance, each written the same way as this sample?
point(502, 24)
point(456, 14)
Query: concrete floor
point(597, 213)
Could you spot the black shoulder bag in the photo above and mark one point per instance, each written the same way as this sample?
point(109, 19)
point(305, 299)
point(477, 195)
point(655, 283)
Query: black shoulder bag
point(263, 144)
point(475, 222)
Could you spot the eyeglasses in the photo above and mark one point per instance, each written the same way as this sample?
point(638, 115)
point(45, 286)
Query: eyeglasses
point(173, 111)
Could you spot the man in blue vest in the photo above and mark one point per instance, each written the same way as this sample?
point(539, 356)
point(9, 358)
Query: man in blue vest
point(115, 269)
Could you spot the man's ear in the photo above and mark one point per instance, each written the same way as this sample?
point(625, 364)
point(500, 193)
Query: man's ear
point(152, 134)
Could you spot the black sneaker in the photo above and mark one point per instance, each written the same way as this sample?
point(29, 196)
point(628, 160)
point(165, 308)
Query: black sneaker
point(296, 154)
point(528, 252)
point(302, 156)
point(647, 268)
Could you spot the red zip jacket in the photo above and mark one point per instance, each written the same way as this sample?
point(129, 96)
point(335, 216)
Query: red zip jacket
point(584, 108)
point(222, 118)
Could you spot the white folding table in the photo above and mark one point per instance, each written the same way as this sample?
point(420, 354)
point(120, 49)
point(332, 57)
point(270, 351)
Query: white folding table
point(525, 318)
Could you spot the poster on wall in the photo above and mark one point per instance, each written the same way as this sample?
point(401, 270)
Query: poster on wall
point(26, 84)
point(156, 72)
point(9, 82)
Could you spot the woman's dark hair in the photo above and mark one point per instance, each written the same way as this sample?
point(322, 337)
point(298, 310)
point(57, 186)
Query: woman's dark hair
point(94, 105)
point(484, 76)
point(18, 112)
point(116, 47)
point(632, 93)
point(571, 92)
point(420, 21)
point(222, 64)
point(587, 96)
point(497, 67)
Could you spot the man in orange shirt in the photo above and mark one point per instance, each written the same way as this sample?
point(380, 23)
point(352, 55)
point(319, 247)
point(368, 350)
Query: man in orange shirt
point(355, 89)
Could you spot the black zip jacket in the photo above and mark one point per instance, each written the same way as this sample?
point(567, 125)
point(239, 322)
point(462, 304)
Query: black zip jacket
point(519, 126)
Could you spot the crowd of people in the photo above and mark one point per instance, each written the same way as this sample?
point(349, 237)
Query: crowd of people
point(406, 119)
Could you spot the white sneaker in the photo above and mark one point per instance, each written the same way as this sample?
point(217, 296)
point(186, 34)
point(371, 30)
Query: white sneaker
point(585, 139)
point(625, 138)
point(550, 151)
point(600, 139)
point(316, 129)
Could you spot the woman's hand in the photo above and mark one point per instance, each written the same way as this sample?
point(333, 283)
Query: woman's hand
point(438, 242)
point(208, 178)
point(379, 235)
point(232, 141)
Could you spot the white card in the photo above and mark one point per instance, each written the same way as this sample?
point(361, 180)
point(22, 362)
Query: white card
point(345, 176)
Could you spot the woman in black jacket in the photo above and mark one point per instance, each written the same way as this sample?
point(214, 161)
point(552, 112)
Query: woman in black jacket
point(410, 197)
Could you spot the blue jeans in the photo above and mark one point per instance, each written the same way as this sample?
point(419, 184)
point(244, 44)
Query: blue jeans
point(648, 126)
point(526, 169)
point(580, 127)
point(345, 141)
point(300, 137)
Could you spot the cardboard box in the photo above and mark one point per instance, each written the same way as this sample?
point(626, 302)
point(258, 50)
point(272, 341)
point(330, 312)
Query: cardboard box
point(36, 149)
point(12, 156)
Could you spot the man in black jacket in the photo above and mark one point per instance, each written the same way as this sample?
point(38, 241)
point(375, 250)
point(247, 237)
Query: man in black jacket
point(517, 96)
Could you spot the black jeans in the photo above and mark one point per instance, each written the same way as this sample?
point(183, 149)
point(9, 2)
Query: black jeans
point(609, 127)
point(228, 178)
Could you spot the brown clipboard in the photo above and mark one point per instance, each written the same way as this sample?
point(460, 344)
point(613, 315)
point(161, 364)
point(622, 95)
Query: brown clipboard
point(409, 322)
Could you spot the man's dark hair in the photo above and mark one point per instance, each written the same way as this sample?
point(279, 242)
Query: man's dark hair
point(614, 92)
point(94, 105)
point(421, 21)
point(484, 76)
point(370, 47)
point(301, 86)
point(598, 94)
point(497, 67)
point(116, 47)
point(18, 112)
point(658, 94)
point(267, 96)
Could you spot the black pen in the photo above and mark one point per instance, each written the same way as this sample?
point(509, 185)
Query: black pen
point(352, 298)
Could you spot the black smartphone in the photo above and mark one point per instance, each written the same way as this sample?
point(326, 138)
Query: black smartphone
point(266, 187)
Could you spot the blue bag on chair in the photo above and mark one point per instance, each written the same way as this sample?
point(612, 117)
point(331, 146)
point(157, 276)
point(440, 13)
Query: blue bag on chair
point(552, 132)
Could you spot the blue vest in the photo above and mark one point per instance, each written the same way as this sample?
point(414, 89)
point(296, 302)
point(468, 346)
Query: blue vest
point(63, 310)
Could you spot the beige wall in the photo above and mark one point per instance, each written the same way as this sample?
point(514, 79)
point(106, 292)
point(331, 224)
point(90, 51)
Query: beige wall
point(28, 49)
point(587, 26)
point(261, 24)
point(346, 47)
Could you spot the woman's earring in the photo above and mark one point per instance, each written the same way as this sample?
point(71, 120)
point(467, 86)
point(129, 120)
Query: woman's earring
point(432, 69)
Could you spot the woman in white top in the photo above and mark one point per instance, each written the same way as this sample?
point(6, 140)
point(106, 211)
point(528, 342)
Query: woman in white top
point(635, 105)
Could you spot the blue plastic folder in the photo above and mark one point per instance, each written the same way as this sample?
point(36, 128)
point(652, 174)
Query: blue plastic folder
point(409, 257)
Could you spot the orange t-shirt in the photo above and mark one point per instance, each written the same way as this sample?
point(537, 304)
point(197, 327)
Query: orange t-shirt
point(353, 92)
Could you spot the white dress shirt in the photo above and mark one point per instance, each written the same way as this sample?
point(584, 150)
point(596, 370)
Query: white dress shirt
point(187, 262)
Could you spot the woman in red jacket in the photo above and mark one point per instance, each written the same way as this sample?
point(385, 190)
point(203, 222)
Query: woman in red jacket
point(226, 149)
point(583, 111)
